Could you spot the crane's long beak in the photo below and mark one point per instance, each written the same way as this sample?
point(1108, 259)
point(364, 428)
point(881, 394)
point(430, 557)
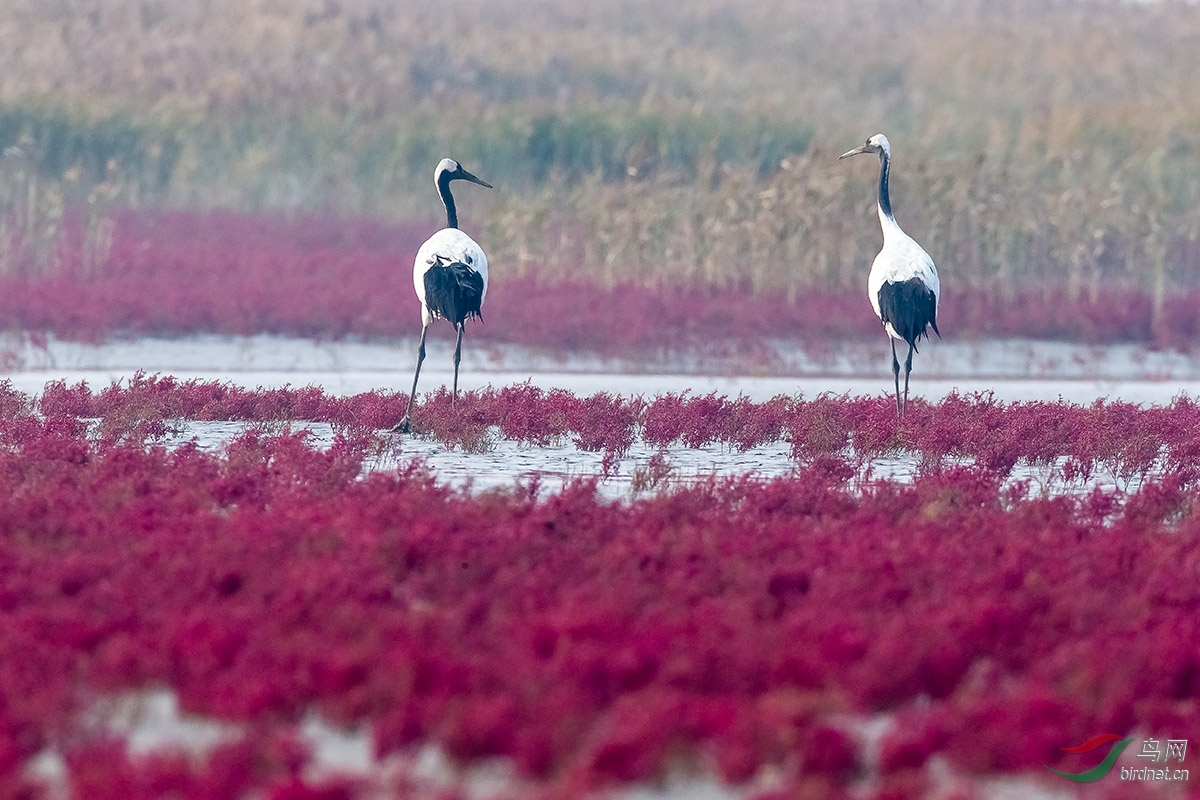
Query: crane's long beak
point(468, 176)
point(853, 152)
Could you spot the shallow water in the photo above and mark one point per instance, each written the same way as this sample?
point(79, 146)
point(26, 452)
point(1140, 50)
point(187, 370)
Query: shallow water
point(506, 464)
point(1017, 370)
point(1014, 370)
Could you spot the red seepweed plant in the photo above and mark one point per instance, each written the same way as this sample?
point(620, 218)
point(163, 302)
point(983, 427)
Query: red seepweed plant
point(1072, 443)
point(723, 625)
point(172, 273)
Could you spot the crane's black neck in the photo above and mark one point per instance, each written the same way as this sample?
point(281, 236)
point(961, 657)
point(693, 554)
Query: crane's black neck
point(885, 202)
point(443, 185)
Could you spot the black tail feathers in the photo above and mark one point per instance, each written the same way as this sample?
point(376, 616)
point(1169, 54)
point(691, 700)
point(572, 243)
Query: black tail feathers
point(909, 306)
point(453, 290)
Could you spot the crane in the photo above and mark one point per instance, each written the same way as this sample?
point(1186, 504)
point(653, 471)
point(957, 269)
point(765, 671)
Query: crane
point(903, 283)
point(450, 275)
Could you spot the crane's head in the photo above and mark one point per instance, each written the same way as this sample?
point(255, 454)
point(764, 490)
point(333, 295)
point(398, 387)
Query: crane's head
point(876, 144)
point(450, 170)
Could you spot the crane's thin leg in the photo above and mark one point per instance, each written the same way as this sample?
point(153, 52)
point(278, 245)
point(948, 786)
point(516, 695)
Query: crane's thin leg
point(896, 374)
point(907, 370)
point(457, 358)
point(403, 425)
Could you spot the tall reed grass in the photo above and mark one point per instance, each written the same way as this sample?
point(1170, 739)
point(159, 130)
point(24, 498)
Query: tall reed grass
point(811, 224)
point(1035, 142)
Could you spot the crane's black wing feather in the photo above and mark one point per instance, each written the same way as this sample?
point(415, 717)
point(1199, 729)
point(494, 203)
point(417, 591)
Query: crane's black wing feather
point(910, 306)
point(453, 291)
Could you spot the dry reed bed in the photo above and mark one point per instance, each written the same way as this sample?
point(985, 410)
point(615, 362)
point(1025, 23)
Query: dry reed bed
point(1035, 141)
point(990, 222)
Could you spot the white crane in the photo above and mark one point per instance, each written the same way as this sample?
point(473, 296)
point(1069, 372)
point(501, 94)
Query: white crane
point(903, 284)
point(450, 275)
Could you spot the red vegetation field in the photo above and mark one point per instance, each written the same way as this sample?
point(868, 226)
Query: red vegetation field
point(181, 272)
point(1121, 440)
point(721, 626)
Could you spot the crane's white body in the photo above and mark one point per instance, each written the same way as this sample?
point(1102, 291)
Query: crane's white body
point(901, 259)
point(451, 244)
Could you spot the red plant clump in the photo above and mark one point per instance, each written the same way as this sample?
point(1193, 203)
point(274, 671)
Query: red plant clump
point(1125, 442)
point(181, 272)
point(727, 624)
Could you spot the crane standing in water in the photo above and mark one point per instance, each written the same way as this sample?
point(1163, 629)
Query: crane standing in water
point(450, 275)
point(903, 284)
